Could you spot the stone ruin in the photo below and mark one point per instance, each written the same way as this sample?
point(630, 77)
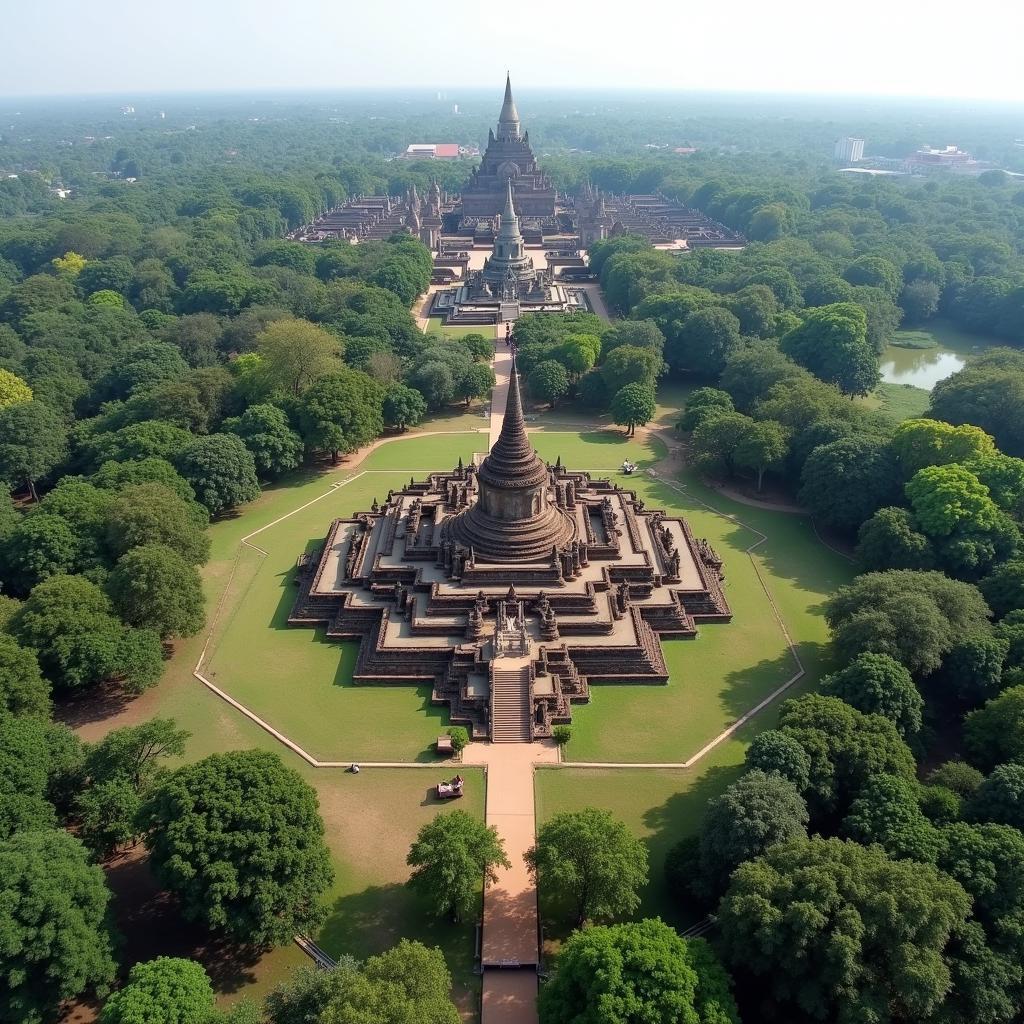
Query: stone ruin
point(509, 586)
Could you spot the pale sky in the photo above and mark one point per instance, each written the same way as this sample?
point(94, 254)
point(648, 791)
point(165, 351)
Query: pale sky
point(879, 47)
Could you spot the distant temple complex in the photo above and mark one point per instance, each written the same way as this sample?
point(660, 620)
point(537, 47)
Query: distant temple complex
point(507, 207)
point(508, 585)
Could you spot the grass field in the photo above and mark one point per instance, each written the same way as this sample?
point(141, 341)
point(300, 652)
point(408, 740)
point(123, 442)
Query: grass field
point(435, 326)
point(899, 401)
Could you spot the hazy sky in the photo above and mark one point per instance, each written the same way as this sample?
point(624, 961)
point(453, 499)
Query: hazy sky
point(901, 47)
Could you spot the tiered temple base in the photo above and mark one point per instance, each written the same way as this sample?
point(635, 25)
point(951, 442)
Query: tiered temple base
point(429, 608)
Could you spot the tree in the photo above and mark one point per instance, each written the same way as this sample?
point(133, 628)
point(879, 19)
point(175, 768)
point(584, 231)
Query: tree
point(23, 691)
point(155, 587)
point(890, 540)
point(150, 439)
point(957, 776)
point(13, 390)
point(701, 404)
point(995, 733)
point(888, 812)
point(238, 838)
point(341, 413)
point(704, 343)
point(642, 971)
point(221, 470)
point(918, 443)
point(40, 546)
point(1003, 588)
point(403, 406)
point(1000, 797)
point(55, 927)
point(752, 814)
point(920, 301)
point(166, 990)
point(944, 497)
point(476, 382)
point(715, 441)
point(776, 752)
point(845, 747)
point(548, 382)
point(434, 380)
point(407, 984)
point(295, 353)
point(151, 513)
point(874, 272)
point(762, 447)
point(837, 931)
point(915, 617)
point(845, 482)
point(631, 364)
point(264, 430)
point(119, 770)
point(69, 622)
point(973, 670)
point(633, 405)
point(591, 860)
point(879, 685)
point(33, 440)
point(25, 771)
point(449, 857)
point(832, 343)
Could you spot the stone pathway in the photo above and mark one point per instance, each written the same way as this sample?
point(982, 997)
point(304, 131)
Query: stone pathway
point(510, 931)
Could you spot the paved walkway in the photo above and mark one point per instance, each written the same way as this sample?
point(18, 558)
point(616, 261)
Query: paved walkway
point(510, 932)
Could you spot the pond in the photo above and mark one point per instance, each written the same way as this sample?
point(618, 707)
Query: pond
point(925, 367)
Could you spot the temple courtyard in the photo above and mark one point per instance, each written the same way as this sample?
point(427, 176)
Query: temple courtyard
point(288, 689)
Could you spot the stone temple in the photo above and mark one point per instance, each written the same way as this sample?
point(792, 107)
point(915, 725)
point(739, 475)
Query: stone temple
point(508, 586)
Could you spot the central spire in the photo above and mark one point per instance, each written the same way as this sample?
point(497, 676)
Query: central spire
point(512, 462)
point(508, 119)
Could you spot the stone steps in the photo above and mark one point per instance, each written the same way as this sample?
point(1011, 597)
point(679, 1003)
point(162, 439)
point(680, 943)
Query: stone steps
point(510, 705)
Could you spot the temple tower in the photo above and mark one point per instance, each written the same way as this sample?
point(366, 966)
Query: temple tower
point(508, 119)
point(508, 262)
point(515, 518)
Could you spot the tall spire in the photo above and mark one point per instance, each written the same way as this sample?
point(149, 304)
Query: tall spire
point(512, 462)
point(509, 217)
point(508, 119)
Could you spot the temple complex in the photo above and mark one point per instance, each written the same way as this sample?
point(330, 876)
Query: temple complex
point(508, 585)
point(508, 158)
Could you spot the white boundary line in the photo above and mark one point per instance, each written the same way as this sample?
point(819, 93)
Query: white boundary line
point(699, 755)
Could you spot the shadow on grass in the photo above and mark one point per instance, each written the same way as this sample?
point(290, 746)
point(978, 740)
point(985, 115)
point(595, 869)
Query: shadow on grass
point(368, 922)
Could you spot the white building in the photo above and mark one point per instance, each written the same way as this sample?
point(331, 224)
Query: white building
point(848, 150)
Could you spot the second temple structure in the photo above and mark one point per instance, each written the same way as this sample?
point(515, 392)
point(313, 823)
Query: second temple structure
point(509, 585)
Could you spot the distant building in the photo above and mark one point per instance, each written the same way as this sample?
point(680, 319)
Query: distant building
point(848, 150)
point(432, 151)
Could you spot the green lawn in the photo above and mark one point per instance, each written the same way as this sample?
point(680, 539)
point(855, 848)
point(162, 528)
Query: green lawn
point(658, 806)
point(297, 679)
point(899, 401)
point(435, 326)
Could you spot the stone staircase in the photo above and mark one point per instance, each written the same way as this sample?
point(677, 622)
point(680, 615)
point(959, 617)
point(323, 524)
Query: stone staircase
point(510, 700)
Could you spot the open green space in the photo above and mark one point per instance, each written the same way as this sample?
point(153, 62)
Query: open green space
point(660, 806)
point(436, 326)
point(899, 401)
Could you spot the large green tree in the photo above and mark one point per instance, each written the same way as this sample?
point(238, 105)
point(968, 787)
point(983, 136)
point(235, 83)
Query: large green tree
point(239, 839)
point(879, 685)
point(888, 812)
point(167, 990)
point(341, 412)
point(548, 382)
point(845, 748)
point(152, 513)
point(155, 587)
point(915, 617)
point(633, 406)
point(590, 860)
point(408, 984)
point(832, 343)
point(995, 733)
point(295, 353)
point(403, 406)
point(644, 971)
point(33, 440)
point(23, 691)
point(264, 430)
point(55, 930)
point(221, 470)
point(449, 857)
point(836, 931)
point(755, 812)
